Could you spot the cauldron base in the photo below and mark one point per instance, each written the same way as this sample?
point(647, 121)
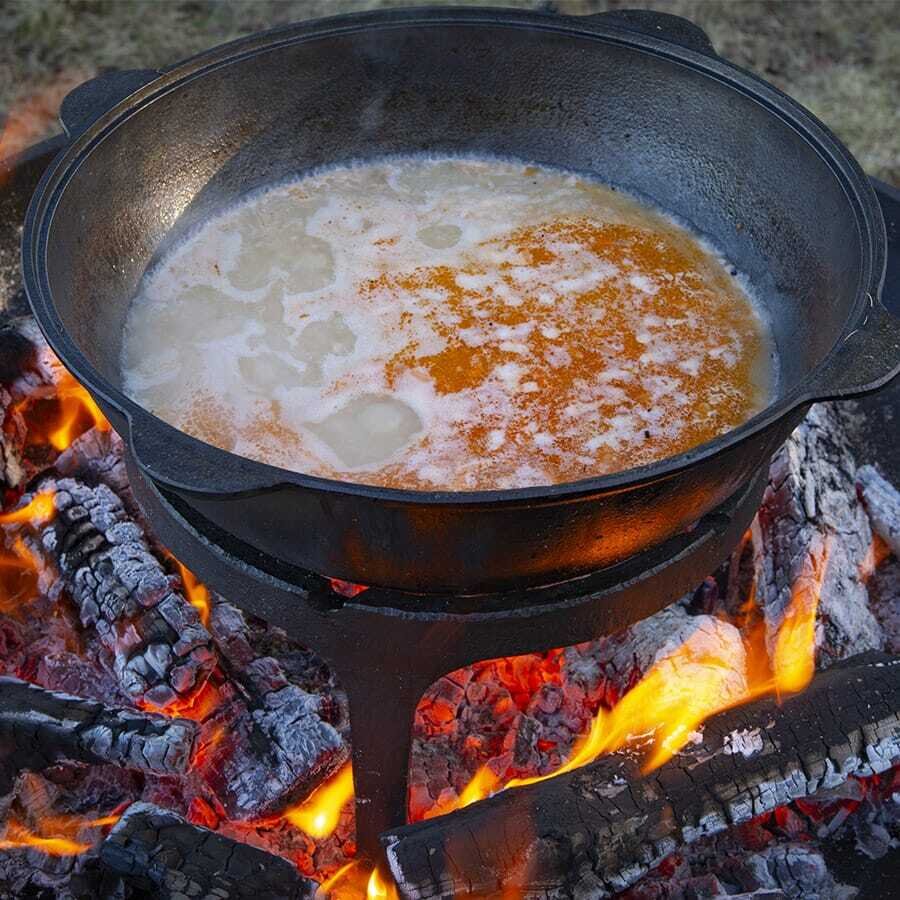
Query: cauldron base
point(387, 648)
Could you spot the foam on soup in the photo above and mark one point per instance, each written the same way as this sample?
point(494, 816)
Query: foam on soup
point(447, 324)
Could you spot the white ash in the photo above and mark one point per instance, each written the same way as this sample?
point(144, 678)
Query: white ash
point(882, 502)
point(744, 741)
point(811, 529)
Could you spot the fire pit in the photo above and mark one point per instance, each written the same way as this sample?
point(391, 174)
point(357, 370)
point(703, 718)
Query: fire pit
point(184, 714)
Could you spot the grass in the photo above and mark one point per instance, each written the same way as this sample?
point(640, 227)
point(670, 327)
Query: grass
point(840, 58)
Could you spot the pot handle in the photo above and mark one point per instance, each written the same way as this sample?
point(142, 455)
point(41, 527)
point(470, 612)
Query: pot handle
point(83, 105)
point(675, 29)
point(869, 356)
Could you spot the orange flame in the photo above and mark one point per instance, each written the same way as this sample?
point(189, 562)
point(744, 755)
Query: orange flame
point(60, 419)
point(381, 887)
point(699, 679)
point(355, 880)
point(76, 404)
point(331, 885)
point(55, 835)
point(320, 813)
point(38, 511)
point(196, 592)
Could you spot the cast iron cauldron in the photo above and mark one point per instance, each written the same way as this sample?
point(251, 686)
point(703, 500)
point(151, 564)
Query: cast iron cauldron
point(639, 99)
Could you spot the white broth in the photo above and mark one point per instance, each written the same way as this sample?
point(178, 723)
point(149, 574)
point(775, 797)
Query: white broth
point(447, 324)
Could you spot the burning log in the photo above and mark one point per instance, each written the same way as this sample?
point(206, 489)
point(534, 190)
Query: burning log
point(597, 829)
point(99, 557)
point(159, 852)
point(39, 728)
point(882, 502)
point(812, 534)
point(280, 743)
point(161, 651)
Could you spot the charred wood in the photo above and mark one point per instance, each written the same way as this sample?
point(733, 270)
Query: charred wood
point(280, 742)
point(159, 852)
point(39, 728)
point(280, 739)
point(598, 829)
point(160, 649)
point(812, 532)
point(882, 502)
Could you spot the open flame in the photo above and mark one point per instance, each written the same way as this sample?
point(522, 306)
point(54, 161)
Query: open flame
point(55, 835)
point(684, 688)
point(38, 511)
point(356, 880)
point(195, 591)
point(30, 117)
point(60, 419)
point(380, 887)
point(20, 567)
point(320, 813)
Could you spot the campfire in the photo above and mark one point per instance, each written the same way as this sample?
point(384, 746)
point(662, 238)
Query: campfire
point(156, 739)
point(145, 718)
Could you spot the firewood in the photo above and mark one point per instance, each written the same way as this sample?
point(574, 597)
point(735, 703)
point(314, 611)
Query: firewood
point(280, 739)
point(160, 649)
point(811, 529)
point(279, 743)
point(882, 502)
point(39, 728)
point(598, 829)
point(156, 851)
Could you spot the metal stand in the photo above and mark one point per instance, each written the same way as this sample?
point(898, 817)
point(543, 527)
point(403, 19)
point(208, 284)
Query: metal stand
point(387, 648)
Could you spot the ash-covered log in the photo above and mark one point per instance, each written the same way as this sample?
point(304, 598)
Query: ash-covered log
point(274, 742)
point(812, 531)
point(39, 728)
point(598, 829)
point(882, 502)
point(161, 651)
point(280, 739)
point(159, 852)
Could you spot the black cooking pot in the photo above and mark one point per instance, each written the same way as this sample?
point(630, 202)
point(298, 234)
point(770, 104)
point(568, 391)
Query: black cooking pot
point(638, 99)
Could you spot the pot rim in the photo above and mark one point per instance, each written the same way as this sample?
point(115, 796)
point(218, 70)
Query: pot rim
point(225, 473)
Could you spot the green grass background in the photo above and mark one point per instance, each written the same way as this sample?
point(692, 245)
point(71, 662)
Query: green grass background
point(840, 58)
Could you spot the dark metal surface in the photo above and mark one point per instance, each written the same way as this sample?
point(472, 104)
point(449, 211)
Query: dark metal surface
point(386, 652)
point(637, 99)
point(878, 424)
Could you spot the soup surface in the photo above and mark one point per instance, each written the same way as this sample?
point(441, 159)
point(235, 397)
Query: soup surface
point(447, 324)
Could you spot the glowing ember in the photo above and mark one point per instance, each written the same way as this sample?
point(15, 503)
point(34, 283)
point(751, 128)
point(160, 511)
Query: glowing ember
point(55, 835)
point(320, 813)
point(19, 571)
point(196, 592)
point(38, 511)
point(197, 707)
point(682, 689)
point(346, 588)
point(206, 748)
